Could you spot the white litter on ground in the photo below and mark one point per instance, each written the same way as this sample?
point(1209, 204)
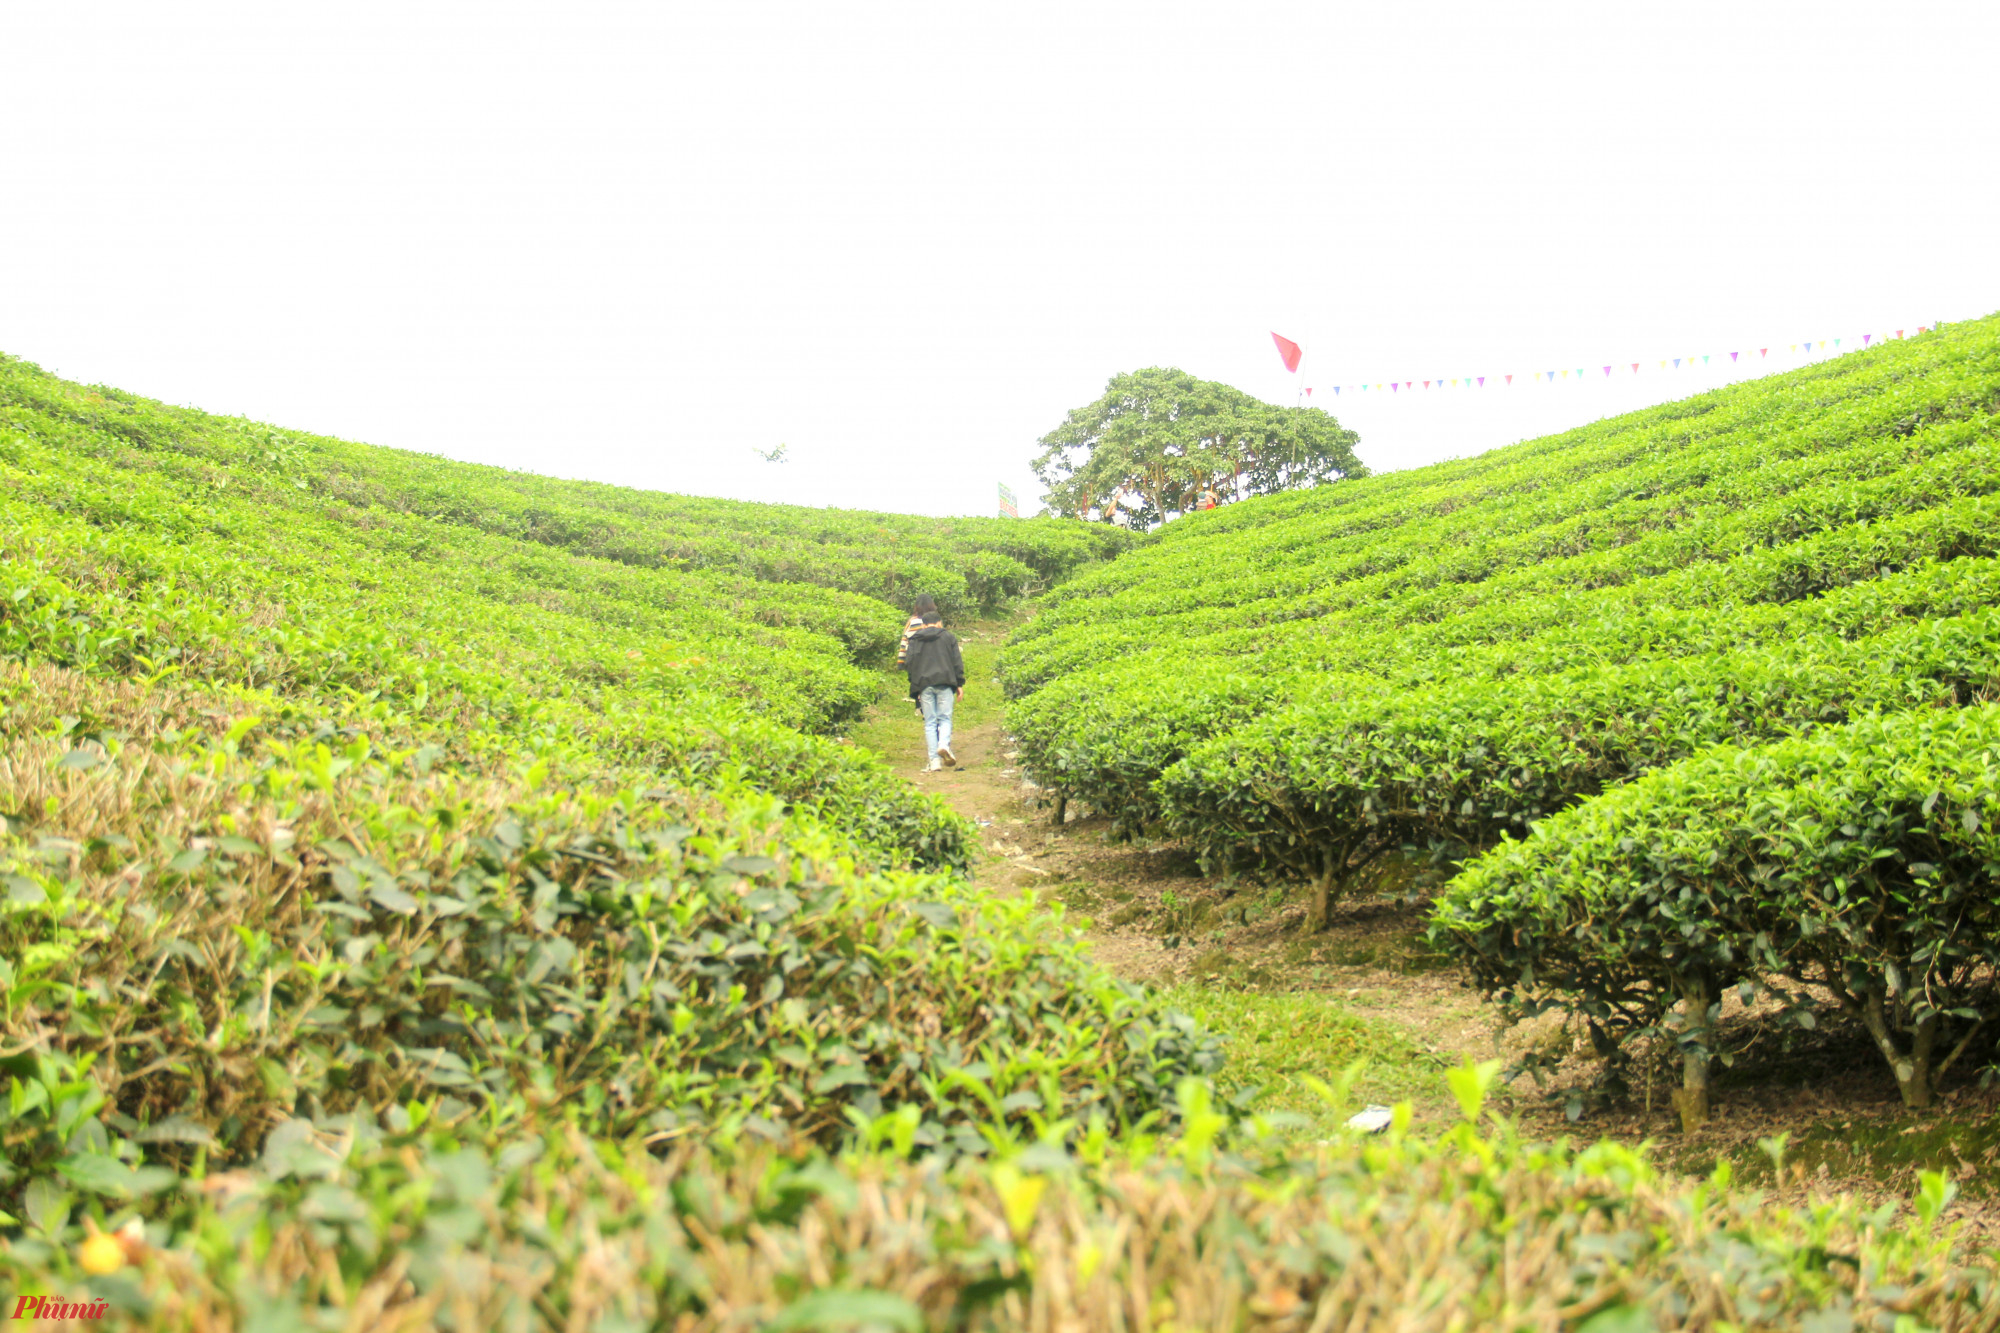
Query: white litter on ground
point(1371, 1120)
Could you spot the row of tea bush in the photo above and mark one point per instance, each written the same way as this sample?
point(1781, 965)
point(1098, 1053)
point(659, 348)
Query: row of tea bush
point(1438, 661)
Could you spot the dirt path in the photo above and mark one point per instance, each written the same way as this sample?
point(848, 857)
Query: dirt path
point(1153, 917)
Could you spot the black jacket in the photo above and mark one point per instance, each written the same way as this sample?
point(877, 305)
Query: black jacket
point(933, 659)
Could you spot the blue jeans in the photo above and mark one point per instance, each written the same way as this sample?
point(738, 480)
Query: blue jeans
point(936, 701)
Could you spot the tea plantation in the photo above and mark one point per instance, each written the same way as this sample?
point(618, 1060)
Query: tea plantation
point(438, 897)
point(1691, 700)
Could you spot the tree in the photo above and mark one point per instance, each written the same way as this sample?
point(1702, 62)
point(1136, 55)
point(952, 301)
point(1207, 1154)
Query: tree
point(1159, 438)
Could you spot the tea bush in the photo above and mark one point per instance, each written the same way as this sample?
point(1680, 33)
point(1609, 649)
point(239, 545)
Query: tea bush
point(137, 540)
point(1860, 859)
point(348, 1223)
point(1431, 661)
point(436, 897)
point(737, 549)
point(1748, 520)
point(338, 782)
point(1463, 763)
point(206, 935)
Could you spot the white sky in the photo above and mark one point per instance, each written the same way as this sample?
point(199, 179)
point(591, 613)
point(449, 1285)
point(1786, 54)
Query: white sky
point(634, 242)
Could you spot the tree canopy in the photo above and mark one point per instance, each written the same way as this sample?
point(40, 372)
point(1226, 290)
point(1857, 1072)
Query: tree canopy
point(1159, 438)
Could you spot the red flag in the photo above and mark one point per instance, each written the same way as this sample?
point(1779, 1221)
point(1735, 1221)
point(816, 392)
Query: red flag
point(1288, 352)
point(1427, 384)
point(1763, 351)
point(1510, 379)
point(1635, 367)
point(1309, 393)
point(1899, 333)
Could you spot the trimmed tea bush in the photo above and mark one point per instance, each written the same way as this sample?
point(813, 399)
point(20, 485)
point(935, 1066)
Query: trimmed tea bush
point(406, 1227)
point(775, 560)
point(1302, 684)
point(1860, 858)
point(204, 937)
point(344, 785)
point(142, 541)
point(1323, 789)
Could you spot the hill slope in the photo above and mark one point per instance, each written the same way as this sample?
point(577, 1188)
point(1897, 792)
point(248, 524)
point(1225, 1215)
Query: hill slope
point(337, 780)
point(420, 911)
point(330, 585)
point(1443, 659)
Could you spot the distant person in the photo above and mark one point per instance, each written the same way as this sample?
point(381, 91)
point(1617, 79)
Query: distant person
point(937, 679)
point(1207, 500)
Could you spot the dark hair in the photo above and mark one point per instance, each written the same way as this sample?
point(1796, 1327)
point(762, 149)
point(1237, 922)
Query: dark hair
point(925, 607)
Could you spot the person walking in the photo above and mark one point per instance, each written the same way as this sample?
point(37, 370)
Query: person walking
point(937, 680)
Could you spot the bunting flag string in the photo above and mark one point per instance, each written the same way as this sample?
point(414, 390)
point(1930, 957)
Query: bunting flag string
point(1290, 353)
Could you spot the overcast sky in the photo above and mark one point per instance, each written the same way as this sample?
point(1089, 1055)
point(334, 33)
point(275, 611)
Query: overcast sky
point(637, 242)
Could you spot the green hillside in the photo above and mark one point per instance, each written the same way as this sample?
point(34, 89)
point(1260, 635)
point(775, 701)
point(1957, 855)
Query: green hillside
point(1444, 661)
point(344, 782)
point(329, 586)
point(436, 897)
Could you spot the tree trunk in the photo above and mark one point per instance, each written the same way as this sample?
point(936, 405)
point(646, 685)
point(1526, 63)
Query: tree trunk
point(1912, 1070)
point(1918, 1088)
point(1062, 810)
point(1320, 915)
point(1697, 1043)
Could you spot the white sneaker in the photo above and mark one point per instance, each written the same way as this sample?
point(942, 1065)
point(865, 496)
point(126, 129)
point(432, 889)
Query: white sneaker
point(950, 759)
point(935, 766)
